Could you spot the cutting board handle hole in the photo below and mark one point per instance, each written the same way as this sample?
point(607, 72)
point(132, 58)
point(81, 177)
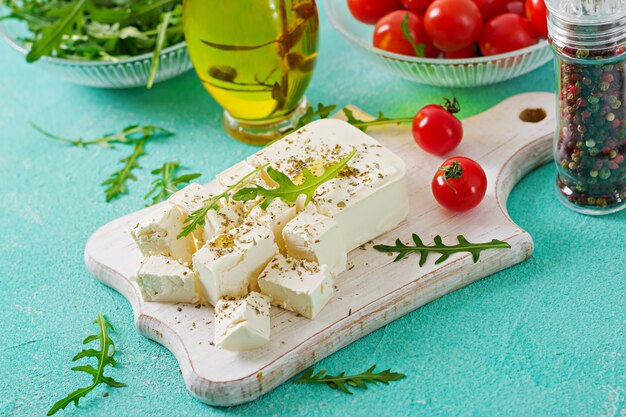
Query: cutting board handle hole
point(533, 115)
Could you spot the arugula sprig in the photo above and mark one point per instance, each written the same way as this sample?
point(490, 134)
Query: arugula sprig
point(423, 250)
point(322, 112)
point(343, 382)
point(104, 357)
point(380, 120)
point(129, 135)
point(198, 217)
point(116, 183)
point(166, 183)
point(286, 190)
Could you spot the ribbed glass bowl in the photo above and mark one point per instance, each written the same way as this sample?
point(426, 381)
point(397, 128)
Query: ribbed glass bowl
point(469, 72)
point(124, 73)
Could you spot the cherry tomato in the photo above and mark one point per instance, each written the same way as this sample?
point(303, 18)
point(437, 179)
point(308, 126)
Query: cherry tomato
point(459, 184)
point(369, 11)
point(537, 13)
point(388, 34)
point(490, 8)
point(505, 33)
point(516, 7)
point(453, 24)
point(468, 52)
point(416, 5)
point(436, 129)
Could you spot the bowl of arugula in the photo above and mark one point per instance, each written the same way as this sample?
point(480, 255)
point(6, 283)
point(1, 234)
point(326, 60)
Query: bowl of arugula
point(99, 43)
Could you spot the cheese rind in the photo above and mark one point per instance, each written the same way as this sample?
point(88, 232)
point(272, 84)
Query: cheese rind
point(297, 285)
point(316, 237)
point(161, 278)
point(242, 324)
point(156, 234)
point(229, 264)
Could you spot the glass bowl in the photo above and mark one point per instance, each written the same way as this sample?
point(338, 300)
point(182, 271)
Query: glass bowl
point(467, 72)
point(123, 73)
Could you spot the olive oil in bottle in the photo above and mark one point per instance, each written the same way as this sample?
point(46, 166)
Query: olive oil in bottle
point(256, 58)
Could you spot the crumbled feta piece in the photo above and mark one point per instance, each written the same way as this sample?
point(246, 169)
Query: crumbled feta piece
point(229, 216)
point(316, 237)
point(156, 233)
point(190, 198)
point(297, 285)
point(161, 278)
point(275, 216)
point(228, 265)
point(244, 323)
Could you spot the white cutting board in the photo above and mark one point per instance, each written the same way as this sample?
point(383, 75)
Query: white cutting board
point(375, 290)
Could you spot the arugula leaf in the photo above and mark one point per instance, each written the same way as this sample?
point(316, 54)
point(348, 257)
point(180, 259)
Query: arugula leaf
point(419, 49)
point(343, 382)
point(286, 189)
point(161, 39)
point(311, 114)
point(439, 247)
point(104, 357)
point(129, 135)
point(198, 217)
point(166, 184)
point(116, 183)
point(364, 124)
point(51, 35)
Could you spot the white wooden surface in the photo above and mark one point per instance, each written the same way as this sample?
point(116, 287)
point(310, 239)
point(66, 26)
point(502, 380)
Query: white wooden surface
point(376, 290)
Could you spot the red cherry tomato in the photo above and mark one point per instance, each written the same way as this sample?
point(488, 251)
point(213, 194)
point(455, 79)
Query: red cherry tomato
point(369, 11)
point(490, 8)
point(459, 184)
point(436, 129)
point(537, 13)
point(505, 33)
point(516, 7)
point(388, 34)
point(453, 24)
point(468, 52)
point(416, 5)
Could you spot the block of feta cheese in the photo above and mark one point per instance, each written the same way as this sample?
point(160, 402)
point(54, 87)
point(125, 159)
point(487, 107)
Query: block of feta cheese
point(275, 216)
point(156, 233)
point(297, 285)
point(228, 265)
point(316, 237)
point(161, 278)
point(368, 198)
point(243, 323)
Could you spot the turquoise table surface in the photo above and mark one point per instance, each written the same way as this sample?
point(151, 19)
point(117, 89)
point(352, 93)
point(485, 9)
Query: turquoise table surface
point(544, 338)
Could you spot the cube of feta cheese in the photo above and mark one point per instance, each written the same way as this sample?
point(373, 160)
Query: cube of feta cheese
point(229, 264)
point(275, 216)
point(190, 198)
point(316, 237)
point(229, 216)
point(297, 285)
point(244, 323)
point(161, 278)
point(156, 234)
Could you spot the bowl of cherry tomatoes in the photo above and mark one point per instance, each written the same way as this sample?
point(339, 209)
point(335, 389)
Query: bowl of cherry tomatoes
point(448, 43)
